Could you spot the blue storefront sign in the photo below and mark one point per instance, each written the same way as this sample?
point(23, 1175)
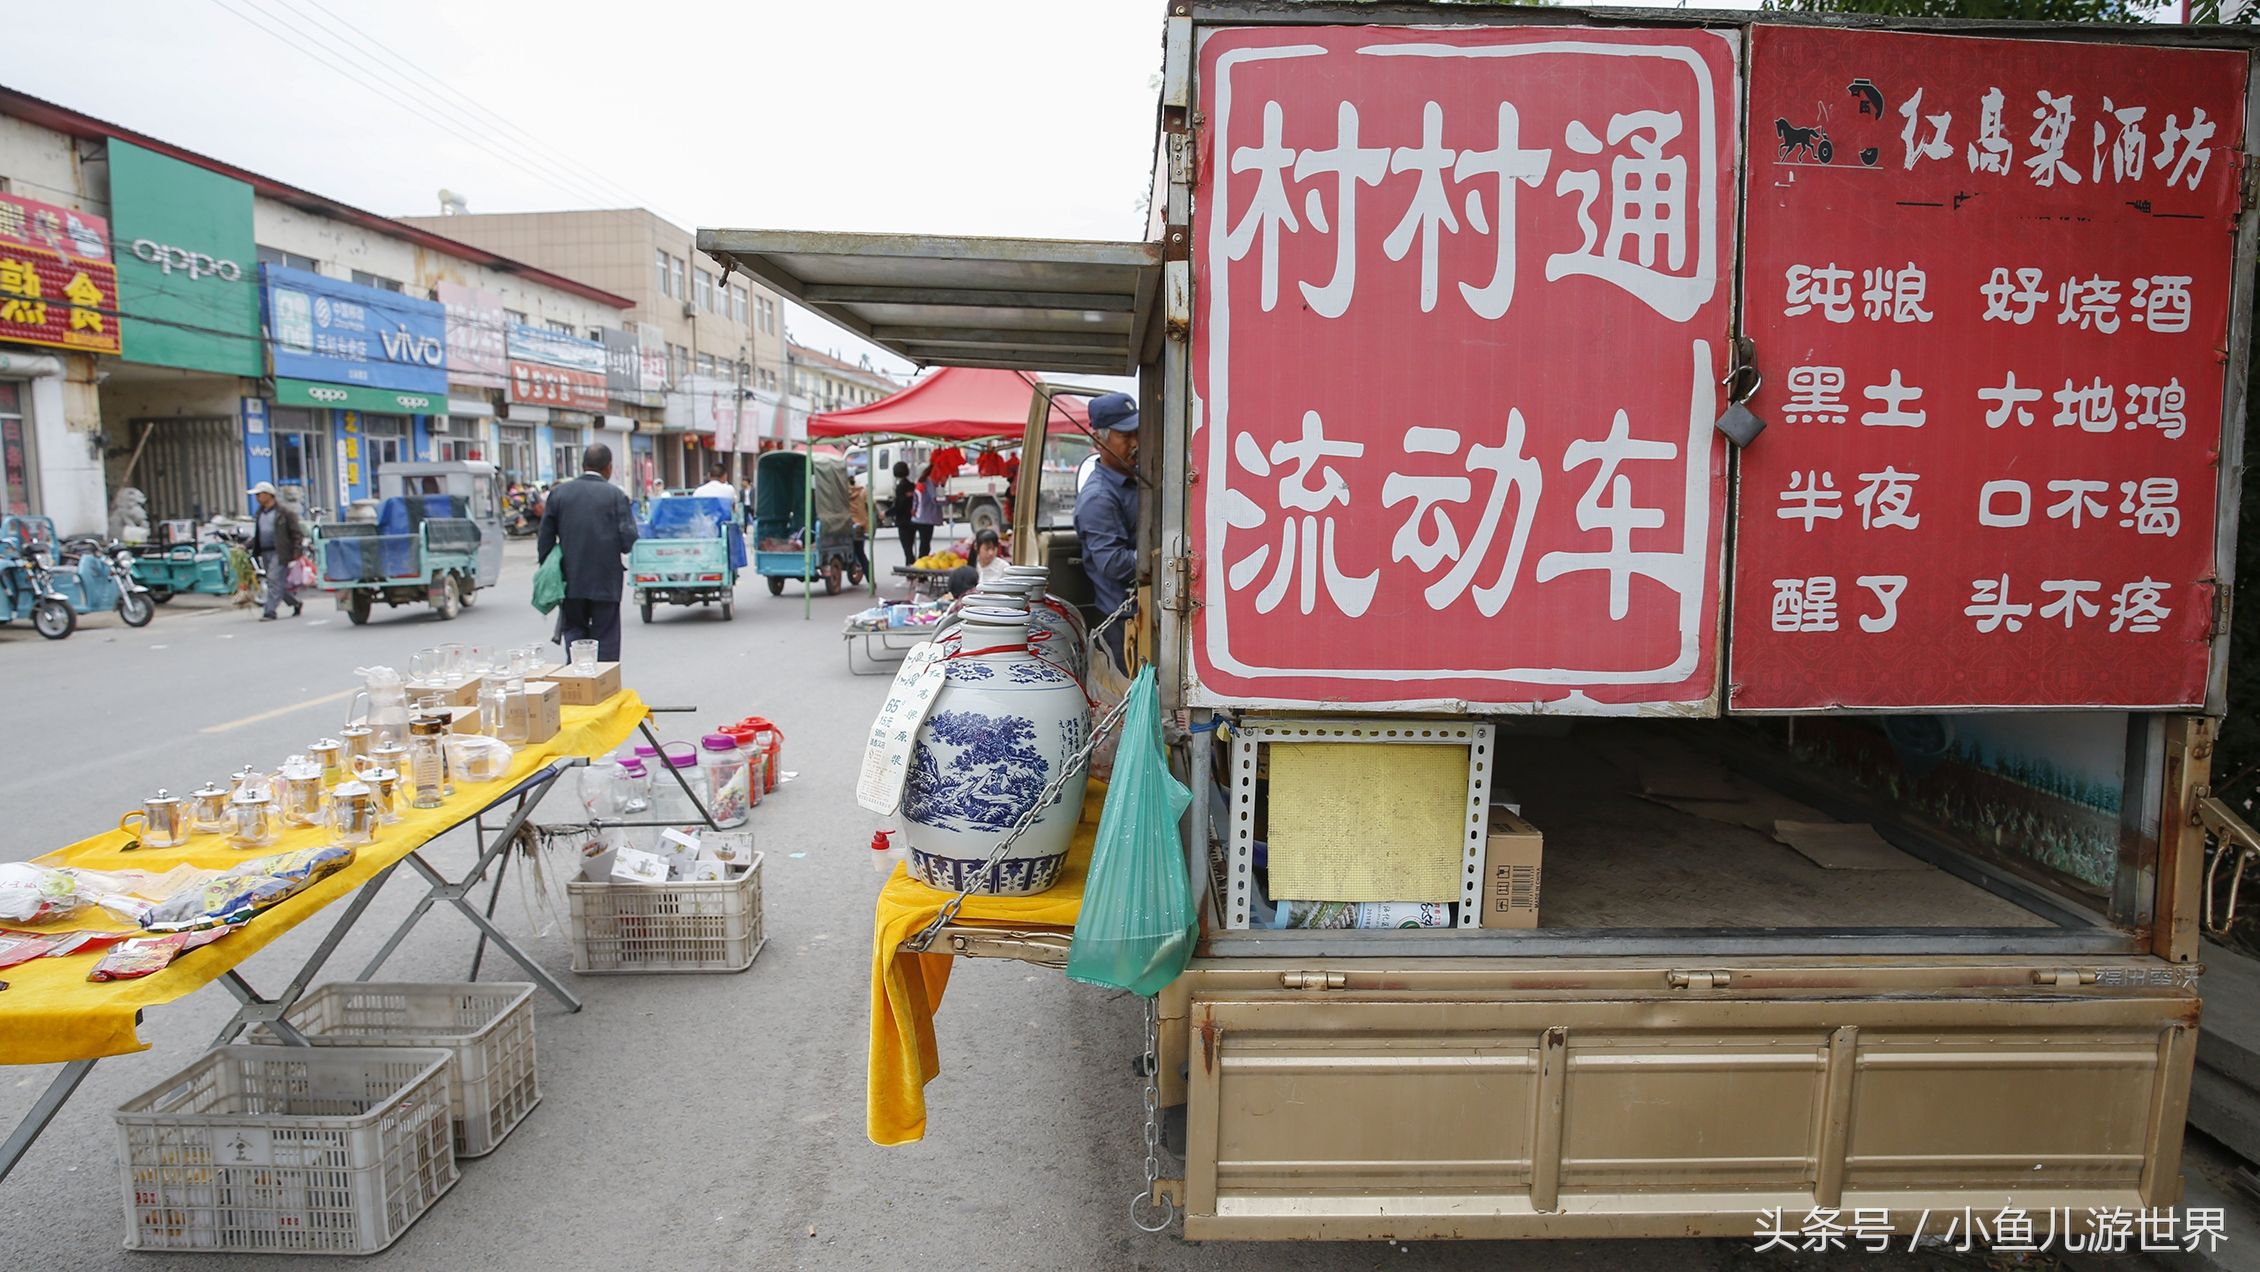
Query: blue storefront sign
point(334, 332)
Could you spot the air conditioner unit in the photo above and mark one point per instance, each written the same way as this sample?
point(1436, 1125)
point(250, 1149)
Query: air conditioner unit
point(689, 310)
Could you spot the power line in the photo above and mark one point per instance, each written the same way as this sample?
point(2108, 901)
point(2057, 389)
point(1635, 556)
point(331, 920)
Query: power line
point(562, 158)
point(407, 103)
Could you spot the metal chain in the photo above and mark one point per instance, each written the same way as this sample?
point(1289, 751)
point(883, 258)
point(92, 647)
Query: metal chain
point(1142, 1204)
point(1052, 793)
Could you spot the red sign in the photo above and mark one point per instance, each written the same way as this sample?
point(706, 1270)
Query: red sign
point(1464, 303)
point(566, 387)
point(57, 285)
point(1989, 283)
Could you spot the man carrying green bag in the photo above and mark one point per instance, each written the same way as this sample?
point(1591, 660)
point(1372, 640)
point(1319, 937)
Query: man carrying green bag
point(1138, 926)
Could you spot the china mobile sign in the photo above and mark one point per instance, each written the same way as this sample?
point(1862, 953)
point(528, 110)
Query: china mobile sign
point(1990, 323)
point(1463, 305)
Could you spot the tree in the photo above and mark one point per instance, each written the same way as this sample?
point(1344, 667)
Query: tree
point(2004, 10)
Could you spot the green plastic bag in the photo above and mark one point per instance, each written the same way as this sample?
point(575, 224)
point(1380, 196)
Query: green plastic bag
point(549, 581)
point(1137, 928)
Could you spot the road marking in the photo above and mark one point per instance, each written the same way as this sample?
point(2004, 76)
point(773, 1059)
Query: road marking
point(339, 696)
point(317, 622)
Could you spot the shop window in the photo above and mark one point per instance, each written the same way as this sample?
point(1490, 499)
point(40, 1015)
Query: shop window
point(704, 283)
point(15, 451)
point(288, 260)
point(378, 281)
point(666, 283)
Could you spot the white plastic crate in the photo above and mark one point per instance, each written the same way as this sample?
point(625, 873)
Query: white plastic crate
point(489, 1027)
point(288, 1150)
point(667, 927)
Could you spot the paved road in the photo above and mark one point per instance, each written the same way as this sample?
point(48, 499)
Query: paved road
point(688, 1122)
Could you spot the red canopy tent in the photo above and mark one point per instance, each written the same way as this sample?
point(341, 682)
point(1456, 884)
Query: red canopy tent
point(955, 404)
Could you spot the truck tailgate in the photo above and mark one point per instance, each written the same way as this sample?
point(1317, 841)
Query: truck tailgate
point(1422, 1103)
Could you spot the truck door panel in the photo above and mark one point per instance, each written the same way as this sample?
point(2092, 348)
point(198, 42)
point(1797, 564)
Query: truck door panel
point(1356, 1113)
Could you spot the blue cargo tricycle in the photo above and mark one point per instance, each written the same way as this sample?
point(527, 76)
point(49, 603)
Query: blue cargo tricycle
point(689, 553)
point(39, 582)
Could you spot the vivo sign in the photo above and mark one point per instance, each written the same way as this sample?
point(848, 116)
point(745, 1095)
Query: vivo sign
point(170, 259)
point(403, 345)
point(328, 331)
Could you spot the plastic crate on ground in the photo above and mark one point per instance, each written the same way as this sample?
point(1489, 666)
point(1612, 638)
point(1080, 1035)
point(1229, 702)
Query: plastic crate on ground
point(288, 1150)
point(667, 927)
point(489, 1026)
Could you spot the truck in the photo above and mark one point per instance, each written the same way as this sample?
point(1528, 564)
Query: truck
point(1732, 514)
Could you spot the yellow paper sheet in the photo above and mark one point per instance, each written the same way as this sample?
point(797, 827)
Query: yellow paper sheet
point(1367, 821)
point(51, 1013)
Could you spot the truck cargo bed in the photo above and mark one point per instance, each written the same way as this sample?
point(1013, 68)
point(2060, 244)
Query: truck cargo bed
point(1628, 847)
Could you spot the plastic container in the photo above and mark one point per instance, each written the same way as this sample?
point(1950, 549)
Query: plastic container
point(726, 773)
point(667, 927)
point(487, 1027)
point(756, 758)
point(669, 805)
point(288, 1150)
point(769, 738)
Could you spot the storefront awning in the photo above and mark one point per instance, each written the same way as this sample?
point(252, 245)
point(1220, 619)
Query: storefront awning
point(1019, 304)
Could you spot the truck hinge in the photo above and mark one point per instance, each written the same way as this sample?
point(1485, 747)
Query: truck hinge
point(1698, 980)
point(2064, 977)
point(1180, 158)
point(1176, 588)
point(2219, 622)
point(1313, 980)
point(2248, 186)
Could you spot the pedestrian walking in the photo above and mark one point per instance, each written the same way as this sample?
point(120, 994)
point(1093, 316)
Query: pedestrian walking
point(276, 539)
point(926, 510)
point(905, 503)
point(591, 521)
point(717, 484)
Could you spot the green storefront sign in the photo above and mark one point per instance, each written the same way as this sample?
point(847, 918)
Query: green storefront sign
point(188, 271)
point(351, 397)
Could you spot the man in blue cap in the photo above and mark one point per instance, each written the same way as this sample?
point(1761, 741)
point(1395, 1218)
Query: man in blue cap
point(1106, 512)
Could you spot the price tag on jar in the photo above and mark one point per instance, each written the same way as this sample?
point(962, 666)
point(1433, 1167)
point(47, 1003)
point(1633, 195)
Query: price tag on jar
point(886, 753)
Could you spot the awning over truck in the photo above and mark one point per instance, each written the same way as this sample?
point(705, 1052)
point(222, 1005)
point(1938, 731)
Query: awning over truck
point(958, 404)
point(1025, 304)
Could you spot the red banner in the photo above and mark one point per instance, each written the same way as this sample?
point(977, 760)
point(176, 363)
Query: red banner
point(1989, 283)
point(564, 387)
point(57, 285)
point(1464, 300)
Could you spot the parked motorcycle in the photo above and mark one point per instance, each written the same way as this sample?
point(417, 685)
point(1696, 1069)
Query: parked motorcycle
point(521, 514)
point(96, 563)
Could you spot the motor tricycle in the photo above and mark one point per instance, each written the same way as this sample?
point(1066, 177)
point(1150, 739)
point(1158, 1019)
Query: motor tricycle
point(52, 583)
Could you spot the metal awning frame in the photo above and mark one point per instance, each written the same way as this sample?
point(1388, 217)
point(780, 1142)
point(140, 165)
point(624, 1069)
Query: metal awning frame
point(955, 317)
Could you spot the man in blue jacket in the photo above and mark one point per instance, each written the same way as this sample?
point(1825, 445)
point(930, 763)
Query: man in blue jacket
point(591, 521)
point(1106, 513)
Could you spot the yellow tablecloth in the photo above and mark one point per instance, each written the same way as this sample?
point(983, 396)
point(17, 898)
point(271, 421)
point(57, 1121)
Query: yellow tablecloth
point(51, 1013)
point(906, 988)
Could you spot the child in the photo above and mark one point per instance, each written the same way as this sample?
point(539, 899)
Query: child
point(988, 554)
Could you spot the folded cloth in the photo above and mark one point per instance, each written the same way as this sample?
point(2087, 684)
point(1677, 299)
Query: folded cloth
point(906, 988)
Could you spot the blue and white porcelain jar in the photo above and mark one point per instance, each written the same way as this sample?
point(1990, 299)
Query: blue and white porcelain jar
point(1065, 643)
point(1003, 724)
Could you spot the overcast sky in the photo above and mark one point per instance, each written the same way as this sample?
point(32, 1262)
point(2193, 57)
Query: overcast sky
point(1025, 117)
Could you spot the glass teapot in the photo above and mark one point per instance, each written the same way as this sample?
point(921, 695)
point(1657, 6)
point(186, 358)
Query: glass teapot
point(381, 704)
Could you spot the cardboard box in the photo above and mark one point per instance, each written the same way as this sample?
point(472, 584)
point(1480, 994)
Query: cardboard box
point(539, 704)
point(588, 690)
point(465, 720)
point(462, 695)
point(1513, 868)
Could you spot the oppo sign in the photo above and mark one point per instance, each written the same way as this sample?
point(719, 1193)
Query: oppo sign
point(168, 259)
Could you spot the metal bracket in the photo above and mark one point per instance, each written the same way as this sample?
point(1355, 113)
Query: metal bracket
point(1044, 949)
point(2064, 977)
point(1180, 158)
point(2248, 184)
point(1314, 980)
point(1698, 980)
point(1174, 588)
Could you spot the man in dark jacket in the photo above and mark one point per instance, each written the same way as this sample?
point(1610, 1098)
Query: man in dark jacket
point(276, 540)
point(591, 521)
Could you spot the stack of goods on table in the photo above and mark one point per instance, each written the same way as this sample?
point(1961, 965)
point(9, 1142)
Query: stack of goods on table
point(337, 1127)
point(670, 880)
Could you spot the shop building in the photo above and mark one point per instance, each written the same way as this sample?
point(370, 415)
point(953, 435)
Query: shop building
point(831, 383)
point(267, 333)
point(720, 345)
